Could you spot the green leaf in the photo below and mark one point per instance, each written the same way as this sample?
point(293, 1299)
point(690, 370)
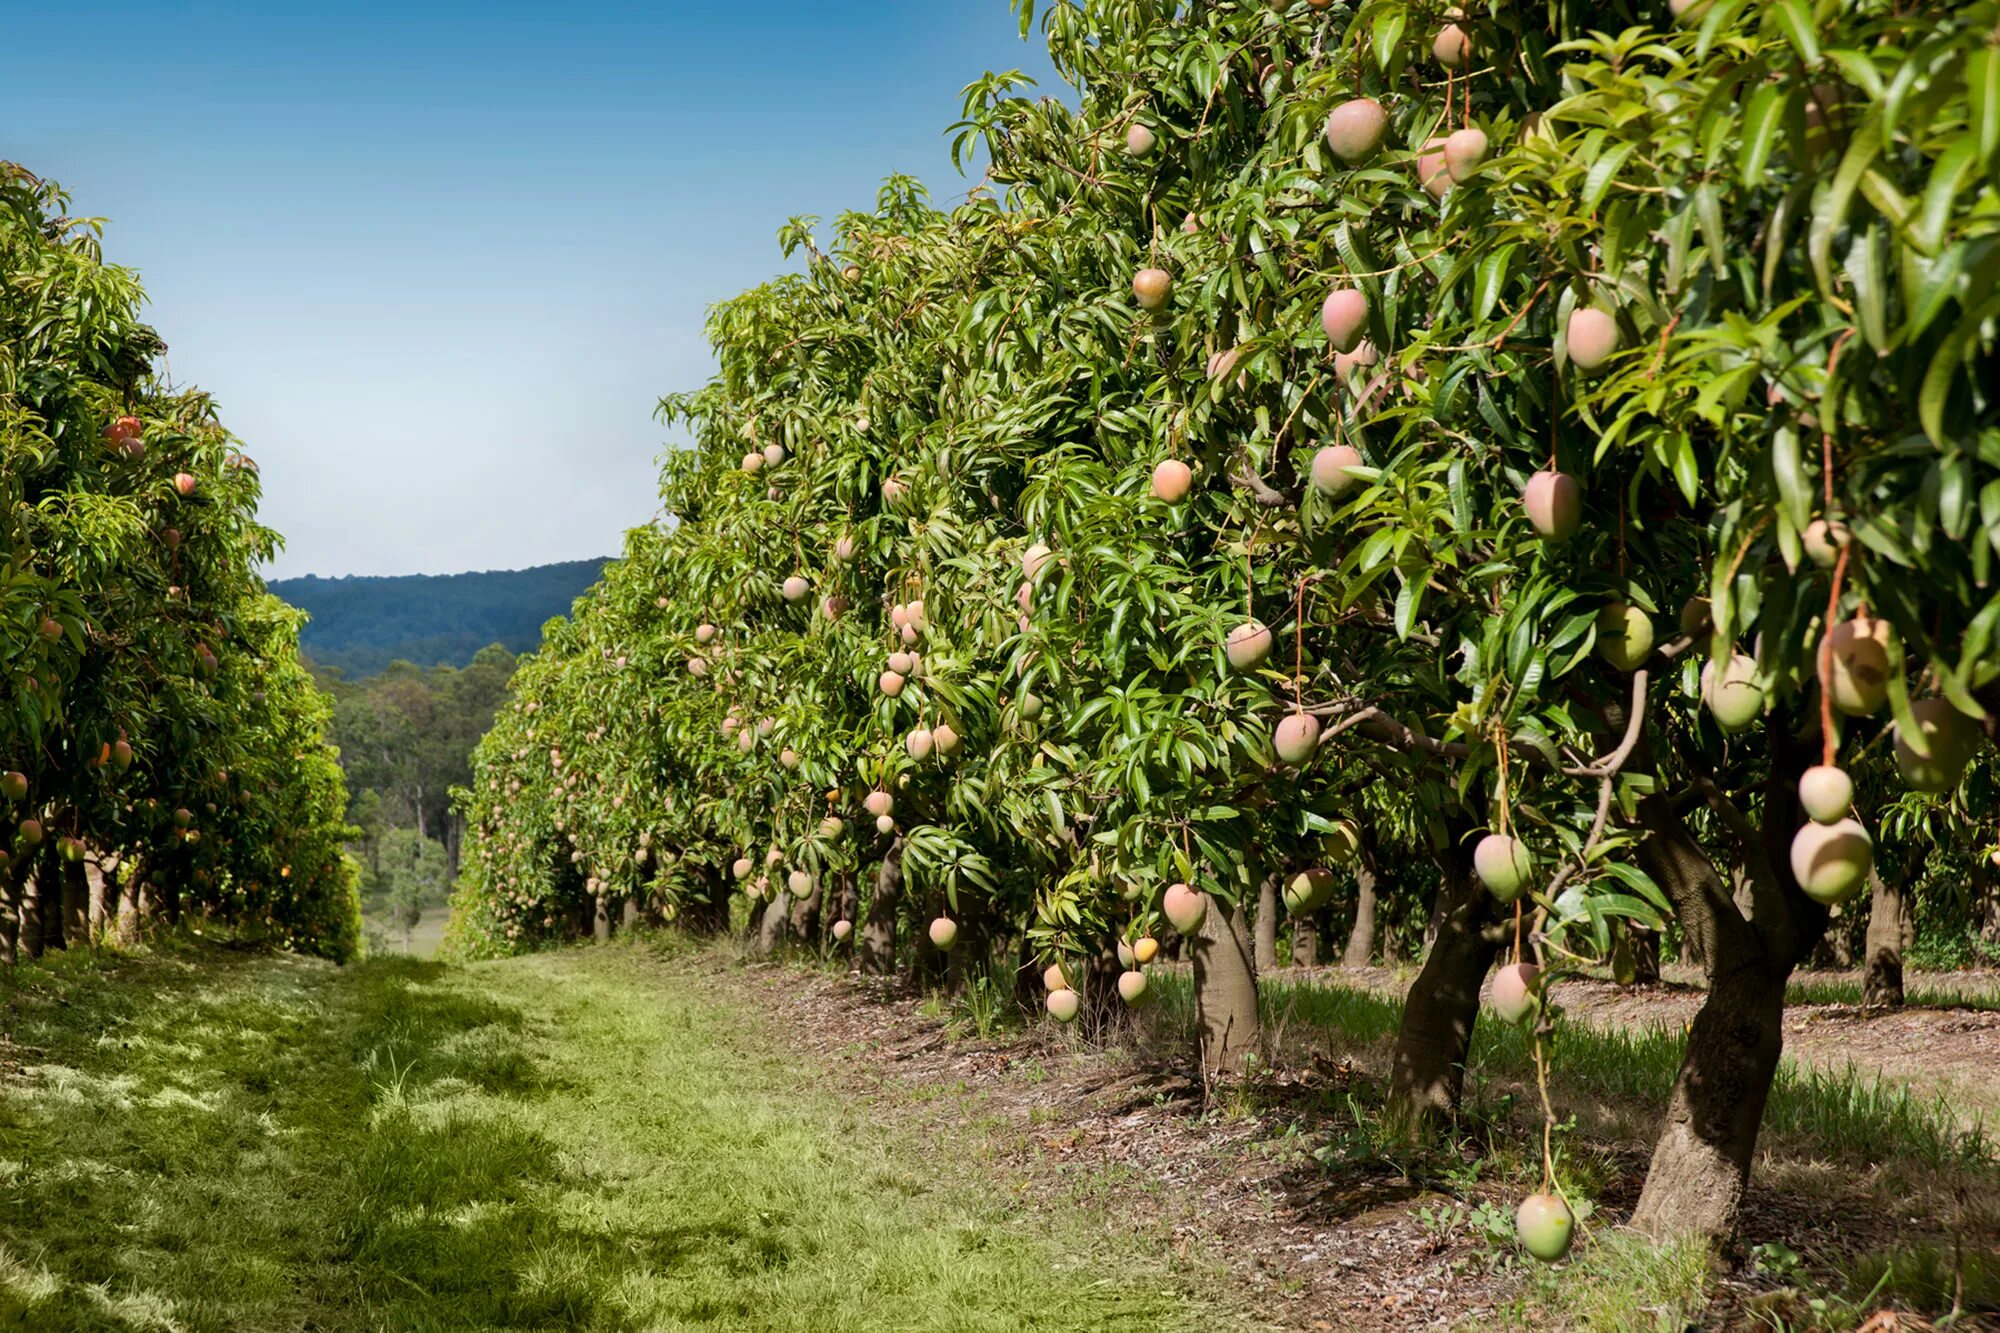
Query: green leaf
point(1864, 270)
point(1982, 83)
point(1788, 471)
point(1953, 167)
point(1488, 280)
point(1602, 172)
point(1795, 18)
point(1833, 205)
point(1387, 33)
point(1763, 122)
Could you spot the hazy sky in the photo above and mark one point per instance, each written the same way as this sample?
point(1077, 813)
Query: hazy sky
point(439, 261)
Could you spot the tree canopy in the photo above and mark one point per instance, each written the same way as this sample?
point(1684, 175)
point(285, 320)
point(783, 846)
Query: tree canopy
point(1536, 440)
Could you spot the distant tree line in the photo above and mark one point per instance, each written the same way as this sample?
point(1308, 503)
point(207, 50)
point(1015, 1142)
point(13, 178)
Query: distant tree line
point(362, 625)
point(406, 737)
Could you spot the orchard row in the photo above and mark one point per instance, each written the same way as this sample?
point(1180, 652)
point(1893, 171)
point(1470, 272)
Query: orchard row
point(163, 750)
point(1538, 467)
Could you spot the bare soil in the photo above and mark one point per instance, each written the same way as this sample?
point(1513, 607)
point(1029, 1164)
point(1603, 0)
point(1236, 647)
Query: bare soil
point(1276, 1189)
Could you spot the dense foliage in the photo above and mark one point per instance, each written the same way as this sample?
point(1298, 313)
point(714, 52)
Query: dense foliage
point(159, 732)
point(361, 625)
point(1345, 435)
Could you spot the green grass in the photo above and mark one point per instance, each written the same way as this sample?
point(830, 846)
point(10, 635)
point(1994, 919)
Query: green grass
point(1917, 994)
point(1620, 1281)
point(1845, 1114)
point(593, 1139)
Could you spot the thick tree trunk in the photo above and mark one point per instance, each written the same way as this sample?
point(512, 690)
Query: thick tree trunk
point(75, 905)
point(1888, 926)
point(1305, 940)
point(805, 916)
point(132, 899)
point(1267, 923)
point(1427, 1072)
point(12, 904)
point(710, 913)
point(878, 936)
point(600, 919)
point(1645, 956)
point(777, 921)
point(1701, 1164)
point(628, 914)
point(103, 889)
point(1361, 940)
point(1225, 991)
point(33, 925)
point(1753, 937)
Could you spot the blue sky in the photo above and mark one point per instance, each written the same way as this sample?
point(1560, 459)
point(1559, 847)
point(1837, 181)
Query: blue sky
point(439, 261)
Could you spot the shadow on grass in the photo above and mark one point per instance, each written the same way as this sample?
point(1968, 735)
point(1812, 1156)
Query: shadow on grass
point(210, 1140)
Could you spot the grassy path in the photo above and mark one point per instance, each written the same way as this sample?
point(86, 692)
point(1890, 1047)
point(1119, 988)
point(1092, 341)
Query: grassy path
point(587, 1139)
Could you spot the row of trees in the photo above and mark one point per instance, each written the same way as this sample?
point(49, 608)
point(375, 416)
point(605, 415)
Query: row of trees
point(1544, 457)
point(164, 750)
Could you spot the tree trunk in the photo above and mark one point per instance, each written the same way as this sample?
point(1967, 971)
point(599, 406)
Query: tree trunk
point(628, 913)
point(131, 887)
point(600, 919)
point(103, 889)
point(775, 923)
point(1701, 1164)
point(709, 914)
point(1225, 990)
point(1267, 923)
point(805, 916)
point(1888, 918)
point(11, 908)
point(878, 937)
point(1361, 940)
point(1645, 955)
point(1305, 940)
point(1753, 938)
point(1427, 1073)
point(32, 926)
point(75, 905)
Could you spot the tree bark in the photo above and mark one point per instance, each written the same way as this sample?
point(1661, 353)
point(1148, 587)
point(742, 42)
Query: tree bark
point(12, 906)
point(131, 879)
point(878, 936)
point(75, 905)
point(1361, 940)
point(805, 916)
point(1701, 1163)
point(1888, 921)
point(1427, 1072)
point(600, 919)
point(777, 920)
point(1225, 991)
point(628, 913)
point(1267, 923)
point(1305, 940)
point(33, 931)
point(1753, 929)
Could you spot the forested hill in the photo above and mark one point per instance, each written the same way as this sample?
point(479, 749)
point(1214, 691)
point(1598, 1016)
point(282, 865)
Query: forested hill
point(362, 624)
